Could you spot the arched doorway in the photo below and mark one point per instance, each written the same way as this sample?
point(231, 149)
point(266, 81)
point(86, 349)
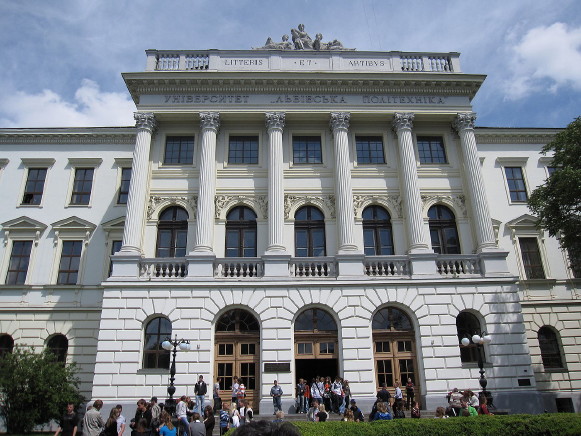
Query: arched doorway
point(316, 345)
point(237, 354)
point(394, 349)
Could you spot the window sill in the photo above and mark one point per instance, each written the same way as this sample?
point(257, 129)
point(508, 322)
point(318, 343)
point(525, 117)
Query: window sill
point(469, 365)
point(153, 371)
point(36, 206)
point(555, 370)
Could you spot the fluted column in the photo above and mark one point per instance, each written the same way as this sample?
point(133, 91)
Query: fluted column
point(343, 193)
point(464, 124)
point(275, 125)
point(136, 200)
point(402, 125)
point(209, 123)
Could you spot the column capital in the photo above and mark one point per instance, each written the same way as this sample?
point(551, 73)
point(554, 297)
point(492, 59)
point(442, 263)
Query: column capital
point(145, 120)
point(464, 120)
point(403, 120)
point(210, 120)
point(340, 120)
point(275, 120)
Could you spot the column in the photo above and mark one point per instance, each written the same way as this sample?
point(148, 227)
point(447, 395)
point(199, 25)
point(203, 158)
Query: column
point(464, 124)
point(275, 125)
point(136, 200)
point(402, 125)
point(343, 193)
point(209, 123)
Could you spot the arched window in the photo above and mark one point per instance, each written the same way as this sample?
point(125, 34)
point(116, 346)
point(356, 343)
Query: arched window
point(156, 331)
point(443, 232)
point(315, 320)
point(241, 233)
point(391, 318)
point(309, 232)
point(377, 234)
point(6, 344)
point(58, 345)
point(549, 342)
point(467, 325)
point(172, 232)
point(237, 320)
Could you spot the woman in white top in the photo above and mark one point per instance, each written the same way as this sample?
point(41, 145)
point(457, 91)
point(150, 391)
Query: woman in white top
point(182, 415)
point(234, 416)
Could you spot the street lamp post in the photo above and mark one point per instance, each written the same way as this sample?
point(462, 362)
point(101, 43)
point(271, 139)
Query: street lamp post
point(479, 341)
point(173, 345)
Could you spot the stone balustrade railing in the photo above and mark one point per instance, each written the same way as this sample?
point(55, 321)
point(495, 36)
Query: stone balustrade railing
point(386, 266)
point(301, 60)
point(312, 267)
point(239, 268)
point(458, 265)
point(163, 268)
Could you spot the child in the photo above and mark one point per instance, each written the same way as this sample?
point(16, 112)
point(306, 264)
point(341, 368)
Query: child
point(416, 410)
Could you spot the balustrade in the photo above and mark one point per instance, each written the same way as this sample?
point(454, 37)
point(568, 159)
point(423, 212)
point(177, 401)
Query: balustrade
point(240, 267)
point(163, 268)
point(458, 265)
point(312, 267)
point(391, 266)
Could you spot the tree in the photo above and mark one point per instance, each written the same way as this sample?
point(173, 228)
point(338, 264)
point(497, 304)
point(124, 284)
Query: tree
point(557, 202)
point(35, 388)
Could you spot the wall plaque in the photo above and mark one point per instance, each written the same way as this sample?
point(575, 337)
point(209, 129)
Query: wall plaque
point(277, 367)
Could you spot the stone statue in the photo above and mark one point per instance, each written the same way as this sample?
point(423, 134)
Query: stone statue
point(271, 45)
point(285, 44)
point(301, 39)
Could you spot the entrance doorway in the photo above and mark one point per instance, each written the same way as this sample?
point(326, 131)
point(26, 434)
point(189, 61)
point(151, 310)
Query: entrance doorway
point(237, 354)
point(310, 368)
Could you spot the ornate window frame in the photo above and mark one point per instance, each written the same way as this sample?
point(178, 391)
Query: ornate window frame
point(521, 162)
point(77, 163)
point(113, 232)
point(20, 229)
point(525, 226)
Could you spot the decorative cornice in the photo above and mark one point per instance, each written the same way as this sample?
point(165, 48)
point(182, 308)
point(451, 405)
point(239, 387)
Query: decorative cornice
point(156, 200)
point(339, 120)
point(210, 120)
point(458, 201)
point(291, 201)
point(275, 120)
point(145, 121)
point(67, 138)
point(403, 120)
point(515, 136)
point(258, 202)
point(464, 121)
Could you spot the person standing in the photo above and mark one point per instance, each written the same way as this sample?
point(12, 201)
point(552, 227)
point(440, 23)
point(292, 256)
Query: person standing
point(209, 420)
point(383, 395)
point(167, 428)
point(142, 412)
point(69, 422)
point(336, 394)
point(182, 415)
point(111, 424)
point(235, 387)
point(301, 396)
point(276, 394)
point(200, 389)
point(224, 418)
point(155, 413)
point(317, 391)
point(120, 420)
point(93, 421)
point(216, 395)
point(197, 427)
point(398, 393)
point(410, 392)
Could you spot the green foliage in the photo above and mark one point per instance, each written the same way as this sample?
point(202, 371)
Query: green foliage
point(557, 202)
point(35, 389)
point(561, 424)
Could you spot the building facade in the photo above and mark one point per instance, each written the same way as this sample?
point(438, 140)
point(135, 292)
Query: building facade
point(290, 213)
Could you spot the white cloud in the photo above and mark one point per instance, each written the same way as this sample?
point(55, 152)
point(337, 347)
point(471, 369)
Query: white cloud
point(90, 107)
point(546, 58)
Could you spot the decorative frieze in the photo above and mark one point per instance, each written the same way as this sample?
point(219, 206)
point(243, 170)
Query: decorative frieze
point(392, 202)
point(457, 201)
point(259, 203)
point(156, 200)
point(325, 201)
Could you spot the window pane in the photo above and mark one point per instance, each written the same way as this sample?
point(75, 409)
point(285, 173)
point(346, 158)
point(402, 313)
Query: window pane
point(531, 258)
point(179, 150)
point(516, 184)
point(369, 149)
point(34, 186)
point(19, 260)
point(82, 186)
point(243, 150)
point(69, 263)
point(431, 150)
point(307, 149)
point(124, 187)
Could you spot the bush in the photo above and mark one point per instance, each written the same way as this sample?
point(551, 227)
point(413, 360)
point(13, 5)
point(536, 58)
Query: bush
point(561, 424)
point(35, 389)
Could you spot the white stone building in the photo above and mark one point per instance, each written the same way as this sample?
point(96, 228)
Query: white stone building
point(291, 213)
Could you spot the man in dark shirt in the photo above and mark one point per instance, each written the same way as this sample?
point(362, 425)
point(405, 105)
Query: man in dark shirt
point(141, 412)
point(383, 395)
point(357, 413)
point(69, 422)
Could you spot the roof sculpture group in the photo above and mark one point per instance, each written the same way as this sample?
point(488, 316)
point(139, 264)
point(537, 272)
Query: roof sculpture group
point(302, 41)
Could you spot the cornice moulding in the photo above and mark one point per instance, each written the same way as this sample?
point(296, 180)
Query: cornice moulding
point(66, 138)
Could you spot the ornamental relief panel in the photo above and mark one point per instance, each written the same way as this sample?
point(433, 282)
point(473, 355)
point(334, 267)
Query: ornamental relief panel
point(391, 202)
point(156, 201)
point(325, 202)
point(457, 202)
point(258, 203)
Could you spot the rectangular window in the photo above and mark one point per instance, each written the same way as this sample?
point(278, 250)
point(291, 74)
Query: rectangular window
point(307, 150)
point(248, 349)
point(243, 150)
point(516, 184)
point(305, 348)
point(179, 150)
point(369, 150)
point(248, 374)
point(327, 347)
point(115, 247)
point(19, 260)
point(382, 347)
point(225, 349)
point(431, 150)
point(70, 262)
point(531, 258)
point(124, 187)
point(384, 372)
point(404, 346)
point(225, 373)
point(34, 186)
point(82, 186)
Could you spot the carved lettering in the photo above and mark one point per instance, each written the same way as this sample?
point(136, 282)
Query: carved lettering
point(243, 62)
point(369, 63)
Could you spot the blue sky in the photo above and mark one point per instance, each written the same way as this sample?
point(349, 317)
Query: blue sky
point(61, 60)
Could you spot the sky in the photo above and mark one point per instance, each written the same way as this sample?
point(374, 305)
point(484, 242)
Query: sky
point(61, 60)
